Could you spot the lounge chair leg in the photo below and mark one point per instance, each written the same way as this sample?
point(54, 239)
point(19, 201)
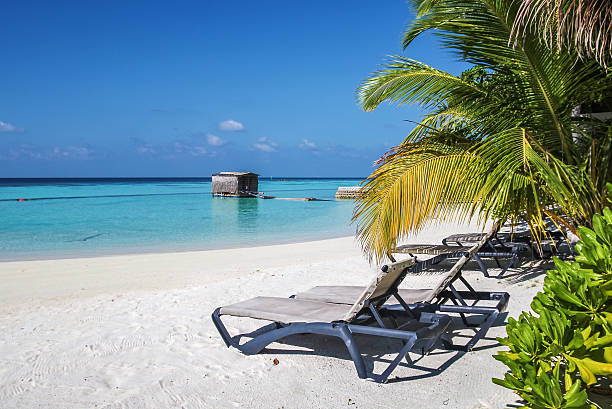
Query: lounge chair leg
point(483, 268)
point(349, 341)
point(382, 378)
point(227, 338)
point(513, 260)
point(484, 327)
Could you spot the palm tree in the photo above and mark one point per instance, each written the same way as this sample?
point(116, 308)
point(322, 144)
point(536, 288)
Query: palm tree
point(499, 142)
point(585, 25)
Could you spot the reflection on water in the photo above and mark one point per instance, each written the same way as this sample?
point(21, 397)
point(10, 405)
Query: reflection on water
point(234, 214)
point(247, 214)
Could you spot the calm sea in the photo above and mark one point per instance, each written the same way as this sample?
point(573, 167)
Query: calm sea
point(87, 217)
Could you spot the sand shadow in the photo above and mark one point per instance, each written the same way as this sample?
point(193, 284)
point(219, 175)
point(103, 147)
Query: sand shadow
point(529, 271)
point(492, 266)
point(459, 330)
point(381, 350)
point(373, 350)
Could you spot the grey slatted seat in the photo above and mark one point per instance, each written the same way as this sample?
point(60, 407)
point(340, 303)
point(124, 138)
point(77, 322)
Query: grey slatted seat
point(361, 316)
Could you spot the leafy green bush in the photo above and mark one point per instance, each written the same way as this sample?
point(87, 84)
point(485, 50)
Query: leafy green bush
point(566, 342)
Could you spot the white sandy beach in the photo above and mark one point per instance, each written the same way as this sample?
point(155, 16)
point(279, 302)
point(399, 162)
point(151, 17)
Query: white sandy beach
point(135, 331)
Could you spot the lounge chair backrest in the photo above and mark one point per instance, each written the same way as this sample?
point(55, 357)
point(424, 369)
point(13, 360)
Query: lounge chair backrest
point(391, 275)
point(459, 265)
point(385, 280)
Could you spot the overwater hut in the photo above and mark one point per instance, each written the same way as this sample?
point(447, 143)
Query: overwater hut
point(235, 184)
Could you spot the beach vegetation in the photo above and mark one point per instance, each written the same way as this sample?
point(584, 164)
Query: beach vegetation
point(513, 137)
point(565, 344)
point(585, 26)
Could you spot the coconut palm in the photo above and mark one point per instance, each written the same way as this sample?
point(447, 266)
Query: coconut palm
point(585, 25)
point(499, 142)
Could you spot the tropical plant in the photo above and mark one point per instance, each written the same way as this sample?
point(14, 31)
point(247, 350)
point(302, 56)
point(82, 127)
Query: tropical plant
point(498, 142)
point(554, 354)
point(583, 25)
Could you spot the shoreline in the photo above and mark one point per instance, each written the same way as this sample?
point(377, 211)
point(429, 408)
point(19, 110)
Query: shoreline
point(28, 280)
point(159, 249)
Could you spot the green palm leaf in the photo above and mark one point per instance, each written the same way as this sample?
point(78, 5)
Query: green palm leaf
point(498, 142)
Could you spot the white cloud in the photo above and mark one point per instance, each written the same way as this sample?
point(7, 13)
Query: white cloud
point(214, 140)
point(306, 144)
point(199, 151)
point(189, 149)
point(147, 148)
point(171, 150)
point(75, 152)
point(231, 125)
point(6, 127)
point(25, 150)
point(57, 152)
point(265, 145)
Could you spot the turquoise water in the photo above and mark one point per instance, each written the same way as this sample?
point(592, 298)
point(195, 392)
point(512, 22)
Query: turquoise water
point(140, 216)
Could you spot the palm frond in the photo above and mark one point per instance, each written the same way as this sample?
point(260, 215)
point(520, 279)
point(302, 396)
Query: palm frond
point(407, 81)
point(499, 142)
point(585, 26)
point(405, 193)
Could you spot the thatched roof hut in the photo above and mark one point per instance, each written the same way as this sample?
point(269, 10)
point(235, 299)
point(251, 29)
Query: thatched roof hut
point(236, 184)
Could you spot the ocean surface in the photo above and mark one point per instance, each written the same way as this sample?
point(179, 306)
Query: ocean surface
point(60, 218)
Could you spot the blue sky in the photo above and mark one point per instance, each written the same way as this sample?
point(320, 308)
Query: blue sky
point(188, 88)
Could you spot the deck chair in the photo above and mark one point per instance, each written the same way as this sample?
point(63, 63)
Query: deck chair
point(508, 241)
point(445, 251)
point(499, 238)
point(491, 247)
point(445, 297)
point(363, 315)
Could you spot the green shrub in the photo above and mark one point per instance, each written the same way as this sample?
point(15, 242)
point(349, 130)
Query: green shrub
point(554, 352)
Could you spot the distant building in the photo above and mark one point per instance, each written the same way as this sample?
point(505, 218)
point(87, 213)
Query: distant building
point(348, 192)
point(235, 184)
